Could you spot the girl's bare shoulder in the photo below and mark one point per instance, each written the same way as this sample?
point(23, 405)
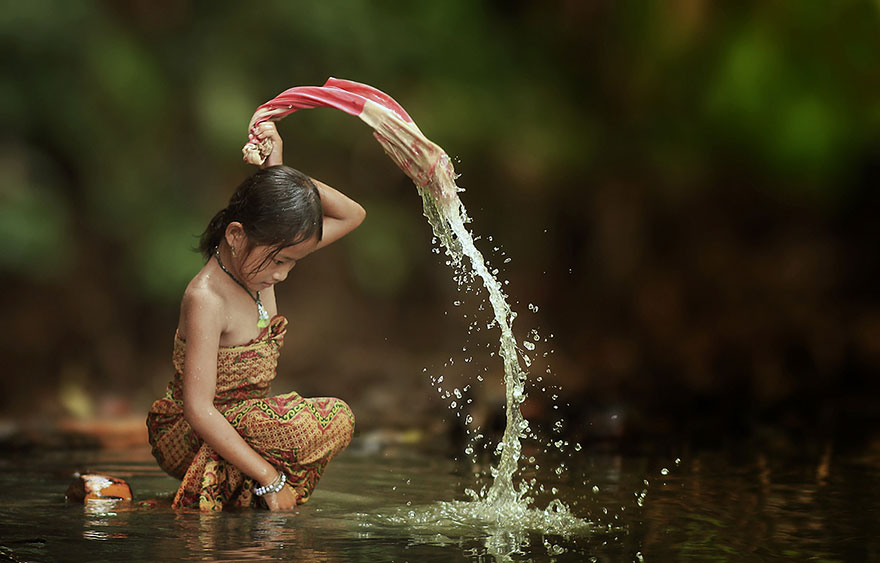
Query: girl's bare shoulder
point(203, 290)
point(203, 304)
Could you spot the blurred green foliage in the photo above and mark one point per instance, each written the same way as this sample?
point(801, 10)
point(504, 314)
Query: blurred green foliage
point(143, 105)
point(34, 221)
point(624, 131)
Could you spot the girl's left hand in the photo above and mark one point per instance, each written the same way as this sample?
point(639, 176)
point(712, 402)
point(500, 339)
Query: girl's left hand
point(267, 130)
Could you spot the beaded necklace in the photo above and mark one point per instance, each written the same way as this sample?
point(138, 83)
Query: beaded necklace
point(263, 319)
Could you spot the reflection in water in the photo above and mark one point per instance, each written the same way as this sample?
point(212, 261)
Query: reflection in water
point(244, 535)
point(102, 521)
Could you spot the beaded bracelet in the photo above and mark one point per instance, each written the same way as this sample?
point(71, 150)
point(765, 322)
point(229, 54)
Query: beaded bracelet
point(276, 485)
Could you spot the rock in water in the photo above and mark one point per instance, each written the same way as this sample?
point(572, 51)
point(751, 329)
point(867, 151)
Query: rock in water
point(91, 486)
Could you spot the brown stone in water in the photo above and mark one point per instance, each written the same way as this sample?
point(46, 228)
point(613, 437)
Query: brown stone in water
point(95, 486)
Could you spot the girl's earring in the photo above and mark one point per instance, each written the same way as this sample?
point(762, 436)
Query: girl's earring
point(233, 251)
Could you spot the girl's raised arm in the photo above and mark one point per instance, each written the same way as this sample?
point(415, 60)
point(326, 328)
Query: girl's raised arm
point(341, 214)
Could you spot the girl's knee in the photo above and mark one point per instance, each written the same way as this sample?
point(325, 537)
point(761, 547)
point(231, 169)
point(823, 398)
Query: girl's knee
point(346, 412)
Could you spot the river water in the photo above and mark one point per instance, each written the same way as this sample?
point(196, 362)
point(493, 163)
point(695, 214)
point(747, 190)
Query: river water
point(711, 506)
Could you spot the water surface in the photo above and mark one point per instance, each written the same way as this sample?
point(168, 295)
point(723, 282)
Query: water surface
point(720, 505)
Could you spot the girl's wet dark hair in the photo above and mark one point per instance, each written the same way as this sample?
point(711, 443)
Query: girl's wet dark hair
point(277, 206)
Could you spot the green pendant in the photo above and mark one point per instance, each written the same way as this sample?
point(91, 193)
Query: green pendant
point(263, 321)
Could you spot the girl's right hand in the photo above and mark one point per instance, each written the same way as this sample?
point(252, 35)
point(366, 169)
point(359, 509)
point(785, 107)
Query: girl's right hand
point(285, 499)
point(267, 131)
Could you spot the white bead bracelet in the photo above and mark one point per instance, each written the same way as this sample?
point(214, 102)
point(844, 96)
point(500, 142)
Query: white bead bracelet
point(272, 487)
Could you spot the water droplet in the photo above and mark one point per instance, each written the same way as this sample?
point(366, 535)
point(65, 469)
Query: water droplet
point(677, 461)
point(528, 345)
point(595, 489)
point(456, 303)
point(664, 471)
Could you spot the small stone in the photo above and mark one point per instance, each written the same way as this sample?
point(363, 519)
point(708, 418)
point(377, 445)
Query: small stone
point(90, 486)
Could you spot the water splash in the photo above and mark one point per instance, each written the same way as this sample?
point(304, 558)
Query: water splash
point(502, 514)
point(505, 532)
point(448, 219)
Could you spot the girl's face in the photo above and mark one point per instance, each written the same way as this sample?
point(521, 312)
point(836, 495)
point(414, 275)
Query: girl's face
point(261, 274)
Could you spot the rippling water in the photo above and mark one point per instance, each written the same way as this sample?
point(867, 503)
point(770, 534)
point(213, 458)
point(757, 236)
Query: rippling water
point(400, 506)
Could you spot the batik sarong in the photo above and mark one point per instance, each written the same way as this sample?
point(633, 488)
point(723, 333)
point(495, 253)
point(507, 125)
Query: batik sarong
point(297, 435)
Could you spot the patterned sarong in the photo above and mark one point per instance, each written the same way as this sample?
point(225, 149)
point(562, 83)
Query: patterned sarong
point(297, 435)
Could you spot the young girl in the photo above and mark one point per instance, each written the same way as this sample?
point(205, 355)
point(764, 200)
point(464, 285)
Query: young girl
point(216, 428)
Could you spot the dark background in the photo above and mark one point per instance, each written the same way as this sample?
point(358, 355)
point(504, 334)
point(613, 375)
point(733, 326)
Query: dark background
point(687, 191)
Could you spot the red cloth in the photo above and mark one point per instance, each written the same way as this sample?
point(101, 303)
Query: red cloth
point(422, 160)
point(344, 95)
